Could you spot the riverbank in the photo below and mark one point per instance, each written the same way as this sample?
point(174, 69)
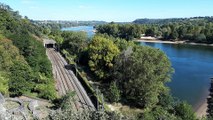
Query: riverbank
point(200, 107)
point(172, 42)
point(201, 111)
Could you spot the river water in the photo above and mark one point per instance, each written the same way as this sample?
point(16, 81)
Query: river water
point(88, 29)
point(193, 67)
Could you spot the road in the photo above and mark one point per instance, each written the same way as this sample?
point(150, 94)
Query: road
point(67, 81)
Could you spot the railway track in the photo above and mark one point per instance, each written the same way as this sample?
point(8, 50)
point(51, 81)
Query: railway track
point(67, 81)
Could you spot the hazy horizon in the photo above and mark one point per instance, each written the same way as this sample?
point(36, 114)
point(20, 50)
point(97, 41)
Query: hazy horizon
point(109, 10)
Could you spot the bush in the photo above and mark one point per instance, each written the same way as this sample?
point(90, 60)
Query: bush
point(3, 84)
point(184, 111)
point(114, 93)
point(21, 79)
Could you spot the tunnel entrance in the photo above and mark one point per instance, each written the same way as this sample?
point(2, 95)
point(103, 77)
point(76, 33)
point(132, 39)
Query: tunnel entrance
point(49, 43)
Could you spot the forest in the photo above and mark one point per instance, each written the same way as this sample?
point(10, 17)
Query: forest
point(24, 66)
point(126, 73)
point(197, 29)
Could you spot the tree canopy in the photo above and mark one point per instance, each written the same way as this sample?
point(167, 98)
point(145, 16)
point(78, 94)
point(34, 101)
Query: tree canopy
point(102, 52)
point(142, 74)
point(23, 58)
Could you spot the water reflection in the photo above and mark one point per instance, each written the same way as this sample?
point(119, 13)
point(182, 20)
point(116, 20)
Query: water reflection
point(193, 68)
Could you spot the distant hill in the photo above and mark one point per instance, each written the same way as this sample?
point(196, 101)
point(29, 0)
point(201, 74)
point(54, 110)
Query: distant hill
point(170, 20)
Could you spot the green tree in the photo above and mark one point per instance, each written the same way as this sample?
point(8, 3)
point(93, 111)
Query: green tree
point(102, 52)
point(126, 31)
point(184, 111)
point(8, 54)
point(142, 74)
point(74, 42)
point(3, 83)
point(158, 113)
point(21, 79)
point(114, 93)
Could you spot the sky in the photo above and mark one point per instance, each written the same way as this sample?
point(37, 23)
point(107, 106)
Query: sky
point(110, 10)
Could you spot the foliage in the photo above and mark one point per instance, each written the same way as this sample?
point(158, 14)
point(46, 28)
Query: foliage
point(67, 101)
point(114, 92)
point(45, 87)
point(84, 115)
point(176, 111)
point(55, 25)
point(13, 23)
point(9, 54)
point(102, 52)
point(141, 75)
point(193, 29)
point(24, 58)
point(158, 113)
point(67, 112)
point(210, 101)
point(74, 42)
point(184, 111)
point(21, 80)
point(34, 53)
point(126, 31)
point(197, 29)
point(3, 83)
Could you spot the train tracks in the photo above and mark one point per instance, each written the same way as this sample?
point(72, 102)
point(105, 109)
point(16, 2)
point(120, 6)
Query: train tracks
point(67, 81)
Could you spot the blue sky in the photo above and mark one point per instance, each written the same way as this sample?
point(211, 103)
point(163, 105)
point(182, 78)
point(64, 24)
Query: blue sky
point(110, 10)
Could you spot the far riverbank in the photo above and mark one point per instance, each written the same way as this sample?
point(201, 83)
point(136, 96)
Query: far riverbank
point(172, 42)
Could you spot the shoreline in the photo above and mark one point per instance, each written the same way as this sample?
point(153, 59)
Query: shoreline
point(202, 109)
point(172, 42)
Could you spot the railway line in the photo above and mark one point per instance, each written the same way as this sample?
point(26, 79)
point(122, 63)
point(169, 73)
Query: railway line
point(67, 81)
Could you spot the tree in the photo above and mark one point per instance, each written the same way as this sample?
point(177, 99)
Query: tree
point(3, 83)
point(158, 113)
point(184, 111)
point(150, 32)
point(59, 40)
point(124, 31)
point(21, 80)
point(210, 101)
point(67, 111)
point(174, 35)
point(200, 38)
point(102, 52)
point(74, 42)
point(142, 74)
point(114, 92)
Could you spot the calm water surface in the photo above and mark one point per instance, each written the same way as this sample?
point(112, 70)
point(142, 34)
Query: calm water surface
point(88, 29)
point(193, 67)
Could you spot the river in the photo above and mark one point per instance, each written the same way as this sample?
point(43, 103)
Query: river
point(193, 67)
point(88, 29)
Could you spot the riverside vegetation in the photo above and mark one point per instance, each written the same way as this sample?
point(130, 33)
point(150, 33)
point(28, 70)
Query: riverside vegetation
point(135, 75)
point(127, 73)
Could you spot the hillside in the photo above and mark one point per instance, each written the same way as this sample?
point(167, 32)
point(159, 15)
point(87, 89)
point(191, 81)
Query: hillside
point(171, 20)
point(24, 67)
